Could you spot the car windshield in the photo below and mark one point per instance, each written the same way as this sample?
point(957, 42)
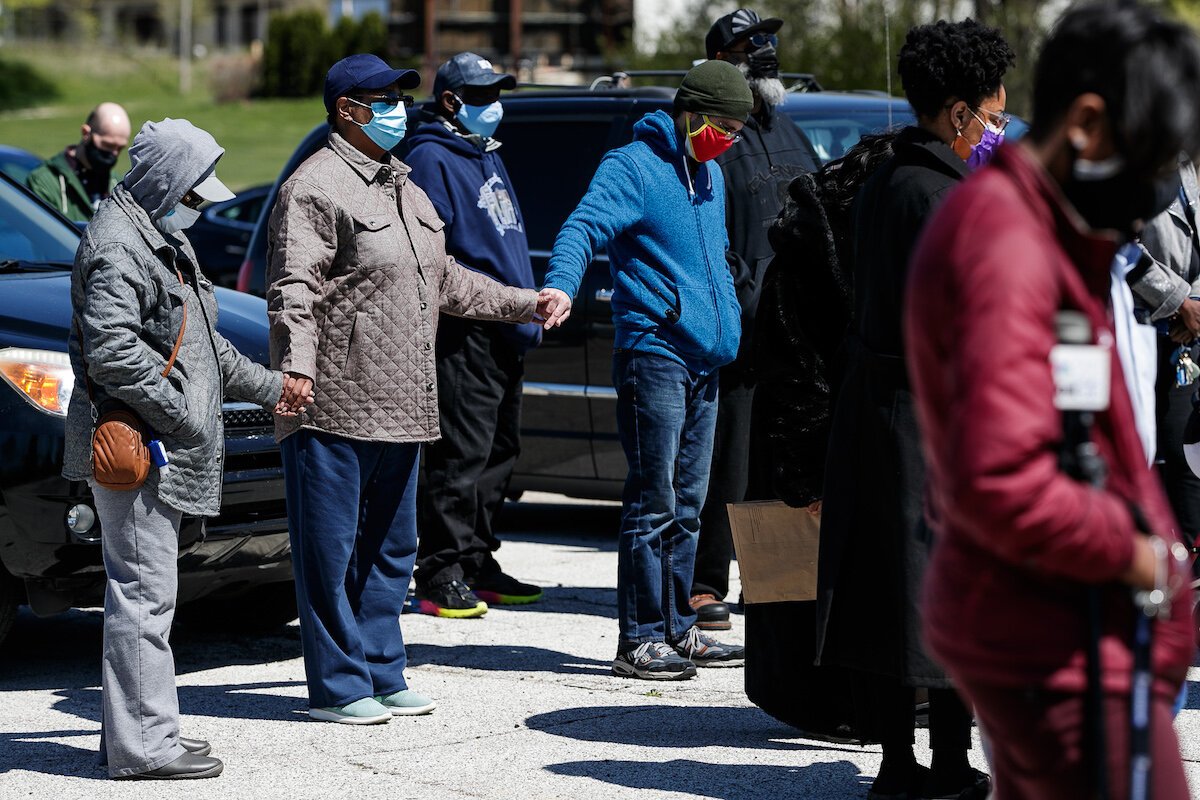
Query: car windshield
point(834, 133)
point(28, 232)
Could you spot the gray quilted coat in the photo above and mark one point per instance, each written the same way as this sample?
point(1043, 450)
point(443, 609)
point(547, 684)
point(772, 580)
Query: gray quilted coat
point(357, 274)
point(128, 303)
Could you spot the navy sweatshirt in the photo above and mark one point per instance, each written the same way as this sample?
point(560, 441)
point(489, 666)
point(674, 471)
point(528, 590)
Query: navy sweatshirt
point(473, 195)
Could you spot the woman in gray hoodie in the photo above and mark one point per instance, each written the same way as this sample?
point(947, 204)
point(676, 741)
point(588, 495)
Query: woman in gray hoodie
point(138, 295)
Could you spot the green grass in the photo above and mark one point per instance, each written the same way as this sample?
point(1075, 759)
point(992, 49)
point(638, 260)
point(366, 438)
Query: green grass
point(258, 136)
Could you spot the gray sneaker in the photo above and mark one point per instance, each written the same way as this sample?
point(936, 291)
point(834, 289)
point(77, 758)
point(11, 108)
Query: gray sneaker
point(652, 661)
point(705, 651)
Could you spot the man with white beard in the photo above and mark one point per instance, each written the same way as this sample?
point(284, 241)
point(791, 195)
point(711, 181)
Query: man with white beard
point(757, 172)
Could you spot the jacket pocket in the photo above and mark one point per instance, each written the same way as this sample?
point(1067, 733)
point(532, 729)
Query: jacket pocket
point(363, 337)
point(374, 241)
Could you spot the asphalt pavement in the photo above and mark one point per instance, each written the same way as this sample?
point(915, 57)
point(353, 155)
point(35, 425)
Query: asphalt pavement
point(527, 710)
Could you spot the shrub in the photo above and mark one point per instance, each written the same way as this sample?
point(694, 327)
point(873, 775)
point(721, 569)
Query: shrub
point(21, 86)
point(301, 48)
point(233, 77)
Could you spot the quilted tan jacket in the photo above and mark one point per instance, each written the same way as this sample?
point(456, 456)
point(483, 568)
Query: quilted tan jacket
point(357, 273)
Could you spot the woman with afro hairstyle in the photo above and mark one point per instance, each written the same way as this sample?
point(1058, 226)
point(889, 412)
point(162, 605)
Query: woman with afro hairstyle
point(874, 540)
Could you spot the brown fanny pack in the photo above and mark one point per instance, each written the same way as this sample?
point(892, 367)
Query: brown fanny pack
point(120, 440)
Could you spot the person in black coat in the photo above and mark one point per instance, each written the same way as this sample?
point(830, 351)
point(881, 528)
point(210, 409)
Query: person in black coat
point(773, 150)
point(874, 543)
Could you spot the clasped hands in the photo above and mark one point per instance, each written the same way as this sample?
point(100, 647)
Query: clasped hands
point(553, 308)
point(297, 395)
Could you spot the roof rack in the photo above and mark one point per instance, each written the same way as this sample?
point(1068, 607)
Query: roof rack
point(802, 81)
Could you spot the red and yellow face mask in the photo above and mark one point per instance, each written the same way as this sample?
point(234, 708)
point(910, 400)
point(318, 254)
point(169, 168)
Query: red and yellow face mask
point(709, 140)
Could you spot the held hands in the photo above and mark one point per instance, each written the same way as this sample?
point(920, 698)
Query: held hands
point(1185, 326)
point(297, 395)
point(553, 308)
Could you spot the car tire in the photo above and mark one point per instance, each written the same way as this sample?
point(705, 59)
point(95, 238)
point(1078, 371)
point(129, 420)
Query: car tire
point(11, 594)
point(261, 610)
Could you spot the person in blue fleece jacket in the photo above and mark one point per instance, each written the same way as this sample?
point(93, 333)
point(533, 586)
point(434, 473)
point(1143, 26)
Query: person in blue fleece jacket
point(658, 206)
point(480, 365)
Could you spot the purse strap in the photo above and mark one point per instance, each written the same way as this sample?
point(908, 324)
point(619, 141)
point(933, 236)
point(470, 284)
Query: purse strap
point(170, 361)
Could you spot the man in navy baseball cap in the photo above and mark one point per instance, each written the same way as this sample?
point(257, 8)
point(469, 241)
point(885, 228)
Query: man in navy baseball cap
point(469, 69)
point(364, 71)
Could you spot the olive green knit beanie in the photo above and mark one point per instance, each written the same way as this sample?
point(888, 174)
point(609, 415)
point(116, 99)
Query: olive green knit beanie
point(717, 88)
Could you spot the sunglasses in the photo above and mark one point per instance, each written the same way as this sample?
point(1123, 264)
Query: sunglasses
point(191, 200)
point(391, 100)
point(757, 41)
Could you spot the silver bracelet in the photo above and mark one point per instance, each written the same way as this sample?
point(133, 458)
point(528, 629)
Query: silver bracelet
point(1170, 568)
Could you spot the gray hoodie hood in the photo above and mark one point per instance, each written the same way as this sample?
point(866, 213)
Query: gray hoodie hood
point(166, 160)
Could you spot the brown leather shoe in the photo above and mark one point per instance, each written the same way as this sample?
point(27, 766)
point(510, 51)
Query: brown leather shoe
point(711, 613)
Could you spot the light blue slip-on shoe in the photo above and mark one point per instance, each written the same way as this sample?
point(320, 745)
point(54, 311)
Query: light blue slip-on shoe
point(407, 703)
point(367, 711)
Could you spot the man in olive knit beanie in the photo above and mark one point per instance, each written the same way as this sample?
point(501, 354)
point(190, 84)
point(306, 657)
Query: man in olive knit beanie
point(658, 206)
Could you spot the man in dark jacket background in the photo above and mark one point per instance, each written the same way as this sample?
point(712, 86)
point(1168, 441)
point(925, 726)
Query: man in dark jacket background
point(757, 172)
point(480, 364)
point(77, 179)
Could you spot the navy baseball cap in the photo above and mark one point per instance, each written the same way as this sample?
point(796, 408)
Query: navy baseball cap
point(469, 69)
point(364, 71)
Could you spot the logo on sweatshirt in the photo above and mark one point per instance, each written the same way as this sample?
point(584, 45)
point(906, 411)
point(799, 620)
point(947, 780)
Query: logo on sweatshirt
point(495, 199)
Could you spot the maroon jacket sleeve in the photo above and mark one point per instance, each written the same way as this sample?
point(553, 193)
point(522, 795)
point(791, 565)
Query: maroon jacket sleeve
point(1000, 431)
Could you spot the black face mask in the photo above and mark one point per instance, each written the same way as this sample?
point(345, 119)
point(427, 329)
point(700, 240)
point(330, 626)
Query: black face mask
point(763, 62)
point(1117, 201)
point(100, 160)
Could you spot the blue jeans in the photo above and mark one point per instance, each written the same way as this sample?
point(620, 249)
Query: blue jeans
point(352, 514)
point(666, 418)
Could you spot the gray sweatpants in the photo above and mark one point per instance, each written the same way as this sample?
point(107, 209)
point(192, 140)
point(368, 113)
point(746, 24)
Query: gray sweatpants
point(140, 536)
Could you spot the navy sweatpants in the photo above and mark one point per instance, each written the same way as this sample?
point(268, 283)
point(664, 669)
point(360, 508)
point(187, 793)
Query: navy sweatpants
point(352, 514)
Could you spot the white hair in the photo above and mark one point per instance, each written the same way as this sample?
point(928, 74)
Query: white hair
point(770, 90)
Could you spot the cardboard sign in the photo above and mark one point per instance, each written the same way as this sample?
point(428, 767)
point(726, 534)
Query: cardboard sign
point(776, 550)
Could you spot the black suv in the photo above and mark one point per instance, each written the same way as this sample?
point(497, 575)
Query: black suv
point(553, 142)
point(49, 534)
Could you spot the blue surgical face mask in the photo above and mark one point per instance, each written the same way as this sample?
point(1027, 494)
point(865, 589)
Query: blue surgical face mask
point(481, 120)
point(388, 124)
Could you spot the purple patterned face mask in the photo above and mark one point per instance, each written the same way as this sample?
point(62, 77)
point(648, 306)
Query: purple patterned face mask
point(983, 152)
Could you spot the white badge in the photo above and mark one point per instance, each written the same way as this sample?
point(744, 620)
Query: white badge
point(1082, 377)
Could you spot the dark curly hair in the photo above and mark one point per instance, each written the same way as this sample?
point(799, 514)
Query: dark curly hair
point(952, 60)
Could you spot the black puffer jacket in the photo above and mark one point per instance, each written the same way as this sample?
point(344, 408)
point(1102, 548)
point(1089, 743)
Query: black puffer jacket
point(804, 312)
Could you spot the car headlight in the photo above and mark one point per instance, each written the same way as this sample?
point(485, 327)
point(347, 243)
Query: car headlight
point(43, 377)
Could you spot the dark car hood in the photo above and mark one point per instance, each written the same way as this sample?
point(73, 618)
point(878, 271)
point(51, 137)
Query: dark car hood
point(35, 311)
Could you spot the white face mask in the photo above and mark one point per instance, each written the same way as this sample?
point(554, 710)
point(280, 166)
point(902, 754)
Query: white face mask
point(177, 219)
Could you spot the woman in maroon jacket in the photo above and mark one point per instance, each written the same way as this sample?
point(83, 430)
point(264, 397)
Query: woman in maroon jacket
point(1021, 543)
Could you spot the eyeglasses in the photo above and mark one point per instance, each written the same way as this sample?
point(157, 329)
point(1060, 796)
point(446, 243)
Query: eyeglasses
point(390, 100)
point(998, 118)
point(733, 137)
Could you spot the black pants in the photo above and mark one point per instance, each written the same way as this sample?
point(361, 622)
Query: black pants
point(728, 482)
point(465, 474)
point(887, 714)
point(1174, 408)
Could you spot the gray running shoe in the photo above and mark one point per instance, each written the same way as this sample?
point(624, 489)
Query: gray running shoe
point(705, 651)
point(652, 661)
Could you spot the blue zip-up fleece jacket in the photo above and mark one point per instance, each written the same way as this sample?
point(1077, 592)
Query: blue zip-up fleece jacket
point(473, 195)
point(666, 243)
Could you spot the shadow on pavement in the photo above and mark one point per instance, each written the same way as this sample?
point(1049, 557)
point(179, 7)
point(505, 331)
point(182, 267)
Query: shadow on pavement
point(226, 701)
point(597, 601)
point(838, 779)
point(568, 523)
point(64, 650)
point(1193, 695)
point(505, 658)
point(33, 752)
point(676, 726)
